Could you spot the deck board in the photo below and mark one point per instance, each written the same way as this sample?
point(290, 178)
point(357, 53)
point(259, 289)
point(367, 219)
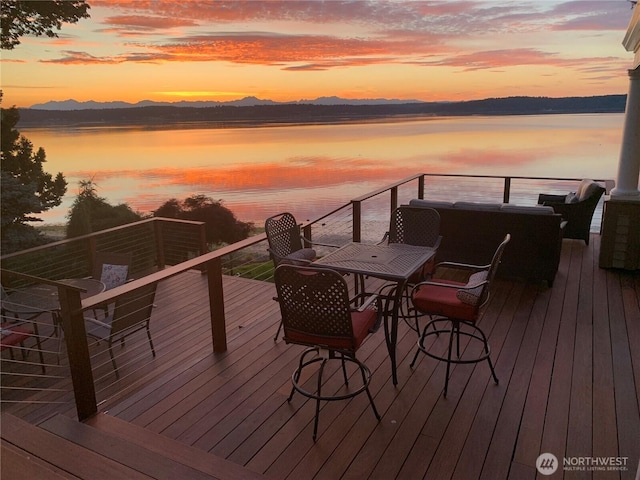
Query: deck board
point(568, 360)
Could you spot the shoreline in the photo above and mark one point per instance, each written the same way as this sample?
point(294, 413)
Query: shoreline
point(162, 117)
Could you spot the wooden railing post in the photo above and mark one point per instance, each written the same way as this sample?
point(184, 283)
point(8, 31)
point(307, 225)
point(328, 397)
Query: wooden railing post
point(216, 305)
point(357, 220)
point(421, 187)
point(72, 318)
point(506, 194)
point(394, 199)
point(91, 254)
point(306, 233)
point(203, 239)
point(157, 228)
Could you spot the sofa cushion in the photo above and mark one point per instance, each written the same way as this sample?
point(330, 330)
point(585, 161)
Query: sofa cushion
point(527, 209)
point(418, 202)
point(492, 207)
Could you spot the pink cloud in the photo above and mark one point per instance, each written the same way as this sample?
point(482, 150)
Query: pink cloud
point(398, 32)
point(516, 57)
point(147, 22)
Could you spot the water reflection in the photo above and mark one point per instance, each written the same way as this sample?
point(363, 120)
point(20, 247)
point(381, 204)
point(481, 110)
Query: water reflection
point(310, 169)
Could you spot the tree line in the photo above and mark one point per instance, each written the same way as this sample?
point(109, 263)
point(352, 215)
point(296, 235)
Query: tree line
point(308, 113)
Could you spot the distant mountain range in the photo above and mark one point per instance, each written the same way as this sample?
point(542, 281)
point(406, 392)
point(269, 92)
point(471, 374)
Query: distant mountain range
point(251, 111)
point(243, 102)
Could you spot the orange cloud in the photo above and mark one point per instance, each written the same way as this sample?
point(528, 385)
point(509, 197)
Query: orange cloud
point(517, 57)
point(148, 23)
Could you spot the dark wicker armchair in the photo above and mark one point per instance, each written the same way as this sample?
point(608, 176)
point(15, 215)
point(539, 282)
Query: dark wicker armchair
point(576, 208)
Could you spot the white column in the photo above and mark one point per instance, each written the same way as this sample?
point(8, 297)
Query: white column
point(629, 163)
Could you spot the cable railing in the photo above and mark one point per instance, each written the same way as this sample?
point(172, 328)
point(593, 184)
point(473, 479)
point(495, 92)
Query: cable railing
point(152, 243)
point(78, 370)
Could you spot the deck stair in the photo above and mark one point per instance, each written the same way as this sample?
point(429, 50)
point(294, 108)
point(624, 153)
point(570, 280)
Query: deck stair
point(104, 448)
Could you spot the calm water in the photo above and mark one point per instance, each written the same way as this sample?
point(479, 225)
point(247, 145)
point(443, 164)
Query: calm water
point(308, 169)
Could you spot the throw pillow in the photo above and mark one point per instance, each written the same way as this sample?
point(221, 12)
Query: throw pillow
point(113, 275)
point(472, 296)
point(304, 256)
point(589, 190)
point(572, 198)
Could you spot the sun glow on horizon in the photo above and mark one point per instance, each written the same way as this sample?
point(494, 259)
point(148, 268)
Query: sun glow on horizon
point(199, 94)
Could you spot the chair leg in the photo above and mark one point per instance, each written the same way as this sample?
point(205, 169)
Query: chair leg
point(364, 381)
point(296, 375)
point(344, 371)
point(320, 372)
point(446, 379)
point(420, 344)
point(275, 339)
point(486, 349)
point(36, 333)
point(113, 360)
point(153, 350)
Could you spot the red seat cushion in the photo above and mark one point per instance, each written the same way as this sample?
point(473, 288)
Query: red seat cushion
point(443, 301)
point(13, 335)
point(361, 323)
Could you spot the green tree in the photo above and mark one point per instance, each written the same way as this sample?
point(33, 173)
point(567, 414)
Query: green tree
point(91, 213)
point(26, 188)
point(221, 225)
point(19, 18)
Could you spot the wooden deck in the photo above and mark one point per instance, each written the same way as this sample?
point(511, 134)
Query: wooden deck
point(568, 360)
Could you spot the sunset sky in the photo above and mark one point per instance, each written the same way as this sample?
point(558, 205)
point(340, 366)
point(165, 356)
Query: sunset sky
point(289, 50)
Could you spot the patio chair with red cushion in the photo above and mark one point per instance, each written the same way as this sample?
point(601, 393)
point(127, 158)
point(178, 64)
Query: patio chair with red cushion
point(286, 244)
point(14, 333)
point(15, 330)
point(459, 305)
point(317, 313)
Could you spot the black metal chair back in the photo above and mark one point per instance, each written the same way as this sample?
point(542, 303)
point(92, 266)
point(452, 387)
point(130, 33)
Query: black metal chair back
point(315, 307)
point(415, 226)
point(283, 235)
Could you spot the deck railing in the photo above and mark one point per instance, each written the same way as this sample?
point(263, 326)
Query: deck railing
point(153, 243)
point(167, 255)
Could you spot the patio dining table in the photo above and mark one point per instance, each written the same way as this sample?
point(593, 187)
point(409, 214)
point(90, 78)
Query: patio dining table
point(393, 262)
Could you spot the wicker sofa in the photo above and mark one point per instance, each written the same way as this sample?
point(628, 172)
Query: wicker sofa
point(472, 231)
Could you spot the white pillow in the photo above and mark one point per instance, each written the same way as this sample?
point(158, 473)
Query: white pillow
point(472, 296)
point(113, 275)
